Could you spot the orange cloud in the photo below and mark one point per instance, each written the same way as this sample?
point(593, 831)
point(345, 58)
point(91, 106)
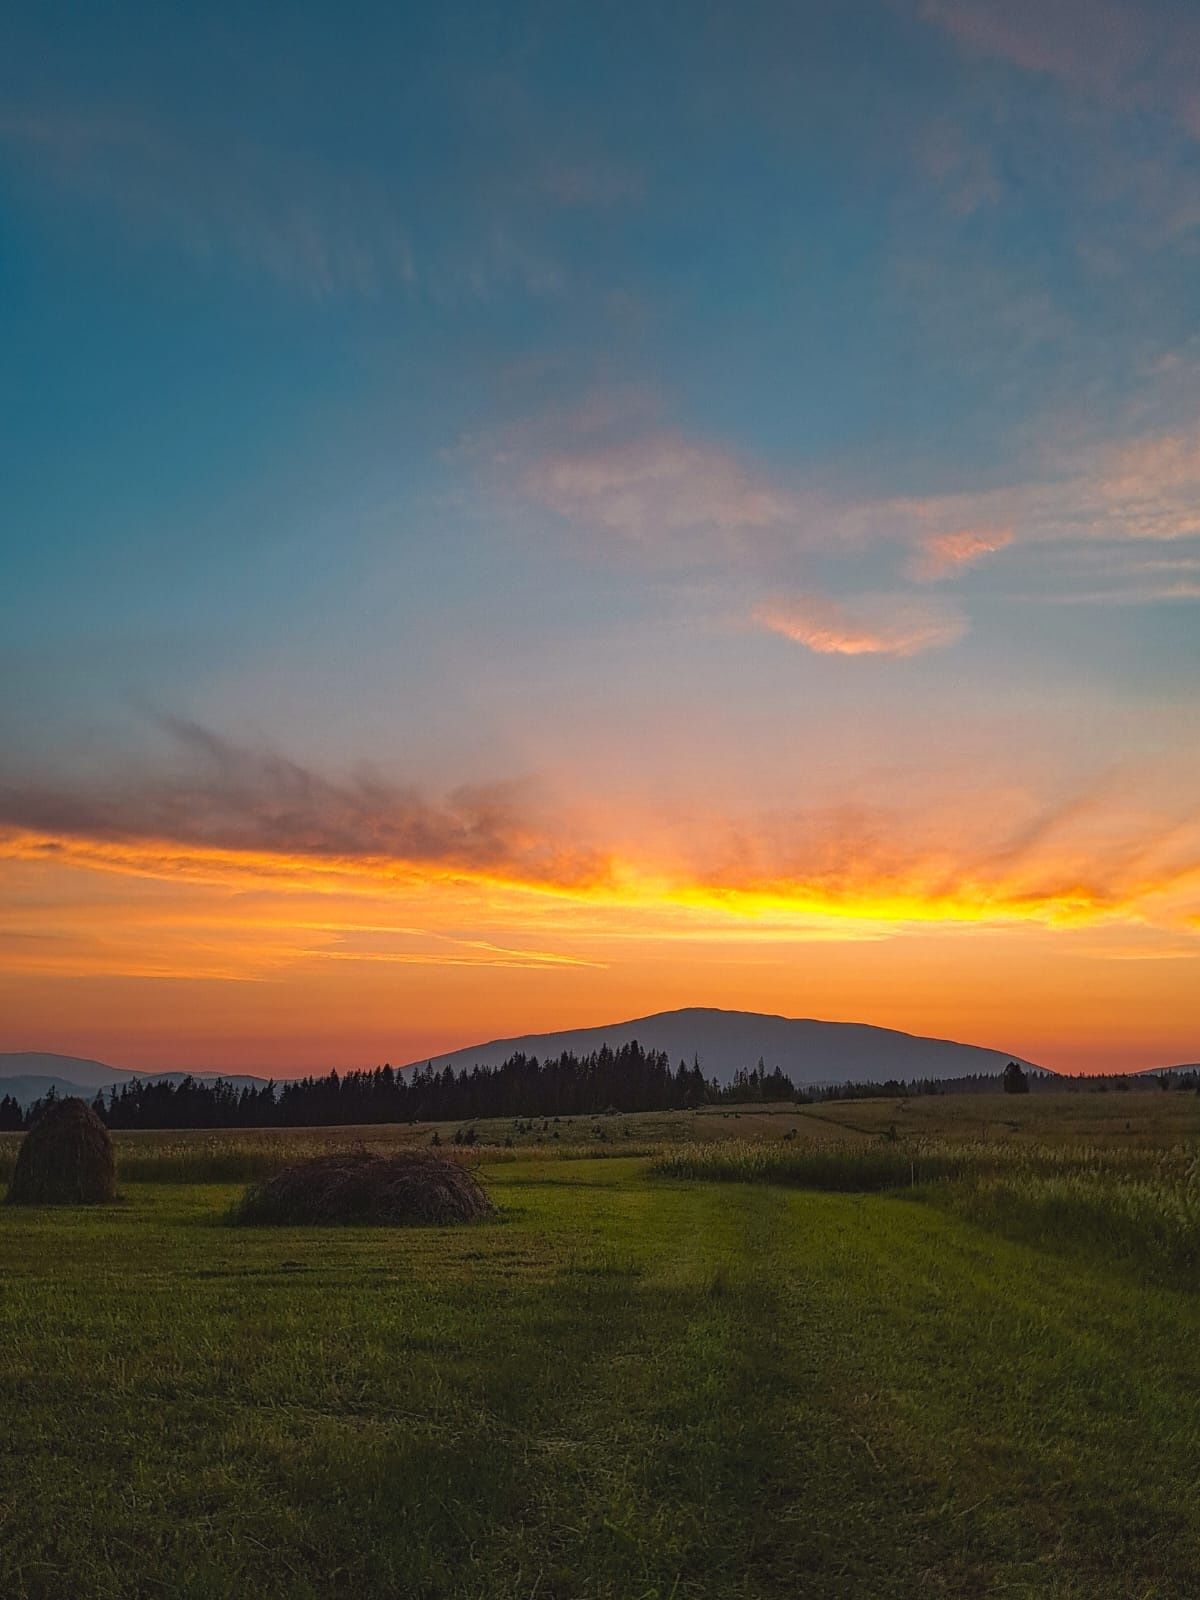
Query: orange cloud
point(362, 868)
point(877, 625)
point(944, 555)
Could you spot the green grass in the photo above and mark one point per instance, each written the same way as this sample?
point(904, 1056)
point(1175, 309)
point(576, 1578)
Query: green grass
point(1137, 1206)
point(1146, 1120)
point(626, 1386)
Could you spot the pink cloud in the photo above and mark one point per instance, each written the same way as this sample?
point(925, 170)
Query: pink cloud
point(875, 625)
point(944, 555)
point(962, 170)
point(1132, 57)
point(1143, 489)
point(661, 484)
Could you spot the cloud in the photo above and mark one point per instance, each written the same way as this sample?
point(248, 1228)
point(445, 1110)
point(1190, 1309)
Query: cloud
point(313, 229)
point(1092, 43)
point(1135, 595)
point(222, 796)
point(945, 555)
point(873, 625)
point(959, 168)
point(238, 864)
point(1129, 56)
point(1142, 492)
point(657, 485)
point(607, 465)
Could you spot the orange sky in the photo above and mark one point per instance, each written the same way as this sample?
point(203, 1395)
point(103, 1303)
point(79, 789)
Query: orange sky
point(1071, 940)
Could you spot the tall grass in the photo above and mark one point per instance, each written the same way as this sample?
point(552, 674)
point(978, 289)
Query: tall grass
point(248, 1157)
point(849, 1167)
point(1152, 1224)
point(844, 1167)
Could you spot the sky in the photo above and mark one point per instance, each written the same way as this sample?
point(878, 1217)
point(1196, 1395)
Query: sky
point(519, 516)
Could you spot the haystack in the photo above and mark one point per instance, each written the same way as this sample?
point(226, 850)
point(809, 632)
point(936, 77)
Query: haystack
point(66, 1159)
point(357, 1186)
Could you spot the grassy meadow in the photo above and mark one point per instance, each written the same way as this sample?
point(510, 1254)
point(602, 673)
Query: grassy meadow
point(942, 1347)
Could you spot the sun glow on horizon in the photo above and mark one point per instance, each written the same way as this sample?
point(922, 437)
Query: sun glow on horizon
point(194, 915)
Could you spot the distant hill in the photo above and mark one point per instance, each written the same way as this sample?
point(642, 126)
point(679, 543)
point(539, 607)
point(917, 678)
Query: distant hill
point(29, 1074)
point(25, 1088)
point(76, 1070)
point(810, 1052)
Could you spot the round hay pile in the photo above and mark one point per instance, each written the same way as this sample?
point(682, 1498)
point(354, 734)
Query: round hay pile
point(66, 1159)
point(413, 1186)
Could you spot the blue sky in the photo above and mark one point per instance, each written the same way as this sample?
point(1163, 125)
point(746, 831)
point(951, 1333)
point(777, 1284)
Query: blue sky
point(746, 408)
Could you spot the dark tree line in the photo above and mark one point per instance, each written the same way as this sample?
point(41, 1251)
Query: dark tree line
point(628, 1079)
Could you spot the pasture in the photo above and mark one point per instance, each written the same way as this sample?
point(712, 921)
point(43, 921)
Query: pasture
point(682, 1359)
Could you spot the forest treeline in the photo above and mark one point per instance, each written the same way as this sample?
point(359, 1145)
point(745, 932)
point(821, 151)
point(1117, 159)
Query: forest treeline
point(626, 1079)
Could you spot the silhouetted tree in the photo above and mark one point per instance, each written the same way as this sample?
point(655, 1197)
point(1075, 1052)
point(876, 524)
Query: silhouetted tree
point(1015, 1081)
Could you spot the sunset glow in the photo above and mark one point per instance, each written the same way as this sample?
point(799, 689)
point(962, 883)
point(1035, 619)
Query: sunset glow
point(504, 558)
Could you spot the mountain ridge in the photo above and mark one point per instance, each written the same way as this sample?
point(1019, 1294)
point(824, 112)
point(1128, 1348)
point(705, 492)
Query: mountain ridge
point(810, 1050)
point(29, 1075)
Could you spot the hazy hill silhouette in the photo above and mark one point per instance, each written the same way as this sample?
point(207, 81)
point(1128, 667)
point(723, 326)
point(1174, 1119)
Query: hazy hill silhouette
point(80, 1071)
point(809, 1051)
point(29, 1075)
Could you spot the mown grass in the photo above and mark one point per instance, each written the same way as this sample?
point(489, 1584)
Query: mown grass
point(1139, 1205)
point(617, 1388)
point(866, 1367)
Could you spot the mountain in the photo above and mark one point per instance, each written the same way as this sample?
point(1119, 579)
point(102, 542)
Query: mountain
point(76, 1070)
point(27, 1087)
point(29, 1074)
point(809, 1052)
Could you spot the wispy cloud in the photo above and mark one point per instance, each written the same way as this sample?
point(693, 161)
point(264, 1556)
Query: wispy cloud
point(960, 168)
point(1130, 56)
point(1128, 595)
point(609, 466)
point(311, 228)
point(660, 484)
point(226, 797)
point(871, 625)
point(1142, 492)
point(945, 555)
point(316, 228)
point(1094, 43)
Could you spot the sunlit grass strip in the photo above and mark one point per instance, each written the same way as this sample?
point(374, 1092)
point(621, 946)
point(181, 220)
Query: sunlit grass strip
point(842, 1167)
point(911, 1163)
point(249, 1158)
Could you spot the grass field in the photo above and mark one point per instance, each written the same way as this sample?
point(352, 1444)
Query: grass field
point(642, 1380)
